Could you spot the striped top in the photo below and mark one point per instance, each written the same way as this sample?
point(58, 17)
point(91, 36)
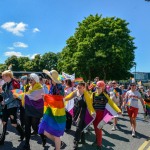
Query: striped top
point(99, 101)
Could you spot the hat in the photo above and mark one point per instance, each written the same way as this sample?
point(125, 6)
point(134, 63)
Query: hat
point(35, 77)
point(23, 78)
point(100, 84)
point(53, 74)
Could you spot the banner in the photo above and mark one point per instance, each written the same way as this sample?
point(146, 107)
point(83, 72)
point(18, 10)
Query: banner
point(67, 76)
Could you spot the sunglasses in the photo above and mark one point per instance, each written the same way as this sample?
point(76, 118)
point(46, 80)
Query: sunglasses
point(133, 85)
point(31, 80)
point(113, 83)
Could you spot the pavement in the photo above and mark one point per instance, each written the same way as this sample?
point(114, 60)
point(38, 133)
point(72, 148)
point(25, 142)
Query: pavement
point(120, 139)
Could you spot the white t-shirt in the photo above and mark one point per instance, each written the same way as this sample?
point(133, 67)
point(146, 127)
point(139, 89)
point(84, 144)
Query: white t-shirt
point(132, 98)
point(69, 90)
point(115, 98)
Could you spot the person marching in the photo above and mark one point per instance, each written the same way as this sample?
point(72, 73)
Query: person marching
point(45, 127)
point(84, 103)
point(100, 99)
point(68, 89)
point(10, 104)
point(116, 96)
point(132, 96)
point(34, 105)
point(24, 82)
point(147, 104)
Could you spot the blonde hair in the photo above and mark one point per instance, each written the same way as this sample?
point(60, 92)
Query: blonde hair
point(8, 73)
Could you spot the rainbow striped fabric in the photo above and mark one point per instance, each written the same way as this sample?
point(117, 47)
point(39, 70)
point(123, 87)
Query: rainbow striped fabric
point(147, 107)
point(54, 118)
point(18, 91)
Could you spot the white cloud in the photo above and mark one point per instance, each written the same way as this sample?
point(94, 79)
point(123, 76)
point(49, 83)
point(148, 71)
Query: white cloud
point(15, 28)
point(11, 48)
point(36, 30)
point(19, 54)
point(20, 44)
point(9, 54)
point(33, 56)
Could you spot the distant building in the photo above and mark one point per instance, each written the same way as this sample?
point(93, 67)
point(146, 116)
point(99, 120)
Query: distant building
point(142, 76)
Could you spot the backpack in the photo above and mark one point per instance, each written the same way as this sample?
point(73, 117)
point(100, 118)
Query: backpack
point(15, 84)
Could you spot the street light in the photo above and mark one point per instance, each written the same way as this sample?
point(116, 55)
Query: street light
point(134, 65)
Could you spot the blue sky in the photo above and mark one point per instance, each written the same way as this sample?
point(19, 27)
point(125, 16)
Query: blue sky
point(29, 27)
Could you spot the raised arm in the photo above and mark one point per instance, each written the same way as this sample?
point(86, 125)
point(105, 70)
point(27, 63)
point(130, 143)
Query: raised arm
point(70, 96)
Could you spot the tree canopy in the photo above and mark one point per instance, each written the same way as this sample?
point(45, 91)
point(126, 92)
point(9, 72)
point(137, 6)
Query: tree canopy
point(99, 47)
point(40, 62)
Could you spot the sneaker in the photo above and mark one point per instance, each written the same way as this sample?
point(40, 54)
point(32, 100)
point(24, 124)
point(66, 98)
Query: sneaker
point(133, 133)
point(62, 144)
point(34, 133)
point(113, 128)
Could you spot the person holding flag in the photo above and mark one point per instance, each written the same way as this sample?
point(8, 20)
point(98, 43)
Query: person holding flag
point(54, 119)
point(69, 105)
point(85, 112)
point(100, 100)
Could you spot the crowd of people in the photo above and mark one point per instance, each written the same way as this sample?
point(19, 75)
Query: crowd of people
point(36, 112)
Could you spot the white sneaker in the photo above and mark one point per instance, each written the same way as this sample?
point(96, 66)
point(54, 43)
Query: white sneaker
point(133, 133)
point(113, 128)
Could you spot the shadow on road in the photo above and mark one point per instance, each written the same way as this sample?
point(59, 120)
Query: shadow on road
point(115, 136)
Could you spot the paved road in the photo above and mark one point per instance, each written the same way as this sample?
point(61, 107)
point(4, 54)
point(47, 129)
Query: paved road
point(120, 139)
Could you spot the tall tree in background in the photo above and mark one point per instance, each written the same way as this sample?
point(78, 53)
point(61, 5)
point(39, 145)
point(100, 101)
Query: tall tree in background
point(49, 61)
point(99, 47)
point(22, 61)
point(3, 67)
point(13, 60)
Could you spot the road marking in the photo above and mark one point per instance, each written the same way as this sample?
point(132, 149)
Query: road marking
point(144, 145)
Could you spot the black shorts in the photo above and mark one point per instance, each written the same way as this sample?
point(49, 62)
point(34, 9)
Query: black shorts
point(10, 112)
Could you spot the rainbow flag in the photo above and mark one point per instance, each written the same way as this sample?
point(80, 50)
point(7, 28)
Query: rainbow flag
point(77, 80)
point(61, 77)
point(147, 107)
point(18, 91)
point(111, 111)
point(116, 93)
point(54, 118)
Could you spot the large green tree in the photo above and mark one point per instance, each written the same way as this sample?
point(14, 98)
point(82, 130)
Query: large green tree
point(13, 60)
point(22, 61)
point(49, 61)
point(99, 47)
point(3, 67)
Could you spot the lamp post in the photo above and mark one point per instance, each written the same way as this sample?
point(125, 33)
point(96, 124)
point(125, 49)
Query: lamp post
point(135, 70)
